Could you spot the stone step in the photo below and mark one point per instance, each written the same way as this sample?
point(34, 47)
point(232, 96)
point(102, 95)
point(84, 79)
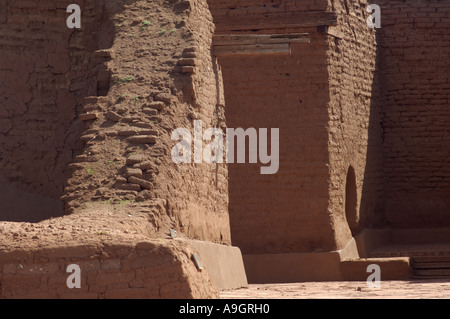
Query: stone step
point(431, 259)
point(431, 267)
point(431, 272)
point(412, 250)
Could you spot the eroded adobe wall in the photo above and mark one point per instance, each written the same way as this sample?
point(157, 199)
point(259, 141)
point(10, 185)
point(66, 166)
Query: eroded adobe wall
point(163, 78)
point(87, 114)
point(198, 193)
point(354, 121)
point(45, 71)
point(120, 269)
point(285, 212)
point(415, 67)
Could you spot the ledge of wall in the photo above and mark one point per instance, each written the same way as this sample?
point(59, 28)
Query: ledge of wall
point(147, 269)
point(224, 264)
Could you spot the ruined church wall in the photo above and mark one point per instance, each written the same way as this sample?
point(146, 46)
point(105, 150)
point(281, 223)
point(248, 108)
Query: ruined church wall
point(197, 193)
point(285, 212)
point(415, 67)
point(45, 71)
point(354, 123)
point(81, 122)
point(121, 269)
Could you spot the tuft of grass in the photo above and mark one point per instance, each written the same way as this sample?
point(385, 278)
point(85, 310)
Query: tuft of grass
point(114, 163)
point(126, 79)
point(172, 31)
point(101, 232)
point(162, 32)
point(147, 23)
point(120, 98)
point(90, 171)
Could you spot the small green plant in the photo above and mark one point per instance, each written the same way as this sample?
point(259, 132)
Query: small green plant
point(144, 28)
point(137, 98)
point(114, 163)
point(118, 79)
point(120, 98)
point(162, 32)
point(147, 23)
point(126, 201)
point(101, 232)
point(172, 31)
point(90, 171)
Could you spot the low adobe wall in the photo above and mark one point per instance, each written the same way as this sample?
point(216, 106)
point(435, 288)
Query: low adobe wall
point(344, 264)
point(116, 269)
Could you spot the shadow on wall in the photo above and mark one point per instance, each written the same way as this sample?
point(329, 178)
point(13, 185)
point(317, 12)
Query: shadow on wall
point(371, 214)
point(351, 201)
point(47, 73)
point(18, 206)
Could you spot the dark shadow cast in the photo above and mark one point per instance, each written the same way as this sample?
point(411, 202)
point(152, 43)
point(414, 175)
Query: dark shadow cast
point(372, 201)
point(45, 132)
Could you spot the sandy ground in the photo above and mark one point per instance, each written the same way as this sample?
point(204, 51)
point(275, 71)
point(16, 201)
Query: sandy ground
point(423, 289)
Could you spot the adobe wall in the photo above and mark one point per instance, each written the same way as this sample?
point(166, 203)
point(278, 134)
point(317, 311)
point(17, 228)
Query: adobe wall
point(284, 212)
point(415, 70)
point(45, 71)
point(119, 269)
point(275, 91)
point(90, 123)
point(354, 123)
point(198, 193)
point(128, 149)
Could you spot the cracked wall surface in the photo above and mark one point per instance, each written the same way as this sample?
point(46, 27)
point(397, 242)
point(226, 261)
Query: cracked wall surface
point(45, 72)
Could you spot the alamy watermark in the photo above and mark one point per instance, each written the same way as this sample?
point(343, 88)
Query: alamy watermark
point(74, 280)
point(220, 150)
point(374, 280)
point(374, 20)
point(74, 20)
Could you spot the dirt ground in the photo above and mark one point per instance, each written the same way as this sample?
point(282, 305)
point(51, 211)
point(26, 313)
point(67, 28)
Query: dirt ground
point(419, 289)
point(125, 220)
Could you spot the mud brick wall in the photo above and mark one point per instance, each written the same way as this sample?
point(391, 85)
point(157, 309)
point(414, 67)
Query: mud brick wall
point(144, 270)
point(81, 135)
point(415, 69)
point(198, 193)
point(45, 71)
point(284, 212)
point(354, 122)
point(128, 144)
